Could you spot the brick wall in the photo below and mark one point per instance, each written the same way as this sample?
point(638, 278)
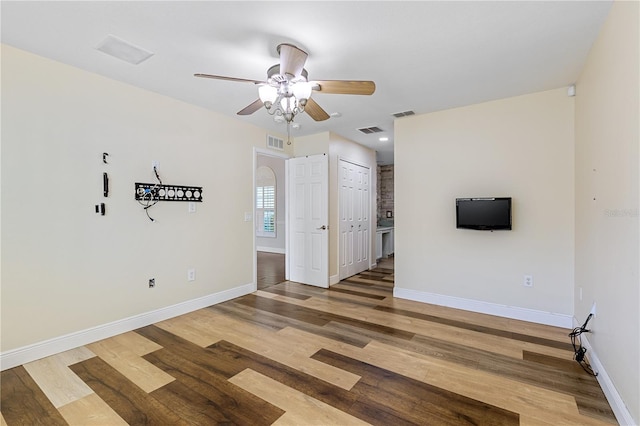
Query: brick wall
point(385, 192)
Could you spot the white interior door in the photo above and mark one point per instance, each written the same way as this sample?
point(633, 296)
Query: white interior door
point(309, 220)
point(355, 224)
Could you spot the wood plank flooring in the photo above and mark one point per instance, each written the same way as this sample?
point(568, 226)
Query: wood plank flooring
point(291, 354)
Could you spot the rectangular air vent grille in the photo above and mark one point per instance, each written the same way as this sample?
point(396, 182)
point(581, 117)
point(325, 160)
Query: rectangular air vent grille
point(369, 130)
point(403, 114)
point(275, 143)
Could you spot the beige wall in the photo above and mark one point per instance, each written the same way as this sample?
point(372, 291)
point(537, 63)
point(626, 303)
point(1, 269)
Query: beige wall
point(607, 209)
point(520, 147)
point(65, 268)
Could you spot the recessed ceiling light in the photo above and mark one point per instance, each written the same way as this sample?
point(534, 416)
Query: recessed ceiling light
point(124, 50)
point(383, 139)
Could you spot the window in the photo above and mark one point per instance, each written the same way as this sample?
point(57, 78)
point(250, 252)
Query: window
point(265, 202)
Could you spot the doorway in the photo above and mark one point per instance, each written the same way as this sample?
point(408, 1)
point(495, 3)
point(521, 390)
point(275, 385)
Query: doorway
point(269, 218)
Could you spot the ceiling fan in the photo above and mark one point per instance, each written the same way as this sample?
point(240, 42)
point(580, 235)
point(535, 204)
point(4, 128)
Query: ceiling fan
point(287, 91)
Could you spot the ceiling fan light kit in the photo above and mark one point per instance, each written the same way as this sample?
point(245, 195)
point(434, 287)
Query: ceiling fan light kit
point(287, 91)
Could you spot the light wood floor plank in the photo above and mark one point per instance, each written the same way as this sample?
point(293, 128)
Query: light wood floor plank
point(144, 374)
point(300, 408)
point(55, 378)
point(136, 343)
point(89, 411)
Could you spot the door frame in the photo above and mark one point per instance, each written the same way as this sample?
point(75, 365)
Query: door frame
point(284, 156)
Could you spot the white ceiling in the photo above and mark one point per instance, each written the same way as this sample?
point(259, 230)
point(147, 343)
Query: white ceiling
point(423, 56)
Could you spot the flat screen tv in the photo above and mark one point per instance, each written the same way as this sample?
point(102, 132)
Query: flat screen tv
point(485, 214)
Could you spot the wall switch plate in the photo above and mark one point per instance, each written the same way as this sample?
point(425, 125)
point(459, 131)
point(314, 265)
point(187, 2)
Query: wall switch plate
point(192, 207)
point(191, 274)
point(248, 216)
point(528, 281)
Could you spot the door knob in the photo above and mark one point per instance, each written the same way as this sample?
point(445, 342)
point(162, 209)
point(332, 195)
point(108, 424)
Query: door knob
point(323, 227)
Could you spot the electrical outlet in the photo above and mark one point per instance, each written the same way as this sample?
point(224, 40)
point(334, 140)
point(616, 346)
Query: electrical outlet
point(528, 281)
point(155, 164)
point(192, 207)
point(152, 282)
point(191, 274)
point(593, 309)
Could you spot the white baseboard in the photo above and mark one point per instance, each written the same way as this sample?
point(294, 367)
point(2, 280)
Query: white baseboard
point(271, 250)
point(623, 416)
point(334, 279)
point(56, 345)
point(514, 312)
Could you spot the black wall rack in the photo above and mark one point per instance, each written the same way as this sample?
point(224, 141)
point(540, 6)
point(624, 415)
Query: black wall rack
point(154, 191)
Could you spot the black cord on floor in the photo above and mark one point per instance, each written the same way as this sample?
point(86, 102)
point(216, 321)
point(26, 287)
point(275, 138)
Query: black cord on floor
point(578, 349)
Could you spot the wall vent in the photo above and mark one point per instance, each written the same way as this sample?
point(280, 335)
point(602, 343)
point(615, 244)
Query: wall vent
point(369, 130)
point(403, 114)
point(275, 143)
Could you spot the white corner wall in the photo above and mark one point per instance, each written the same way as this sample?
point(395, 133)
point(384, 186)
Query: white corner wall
point(607, 207)
point(521, 147)
point(66, 269)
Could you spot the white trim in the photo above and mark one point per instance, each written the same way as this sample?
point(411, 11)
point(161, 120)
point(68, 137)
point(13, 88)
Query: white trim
point(514, 312)
point(623, 416)
point(334, 279)
point(271, 249)
point(56, 345)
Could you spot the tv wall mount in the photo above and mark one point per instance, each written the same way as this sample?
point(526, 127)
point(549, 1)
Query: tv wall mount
point(161, 192)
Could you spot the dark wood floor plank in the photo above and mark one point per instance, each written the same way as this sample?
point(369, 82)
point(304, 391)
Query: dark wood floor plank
point(279, 322)
point(283, 308)
point(224, 401)
point(479, 328)
point(380, 286)
point(314, 316)
point(359, 293)
point(275, 290)
point(131, 403)
point(234, 359)
point(22, 401)
point(414, 401)
point(585, 388)
point(190, 405)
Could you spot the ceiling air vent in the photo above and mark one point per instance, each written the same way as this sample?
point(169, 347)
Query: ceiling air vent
point(403, 114)
point(369, 130)
point(275, 143)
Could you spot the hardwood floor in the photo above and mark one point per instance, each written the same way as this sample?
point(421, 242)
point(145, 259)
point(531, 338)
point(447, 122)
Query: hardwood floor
point(270, 269)
point(291, 354)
